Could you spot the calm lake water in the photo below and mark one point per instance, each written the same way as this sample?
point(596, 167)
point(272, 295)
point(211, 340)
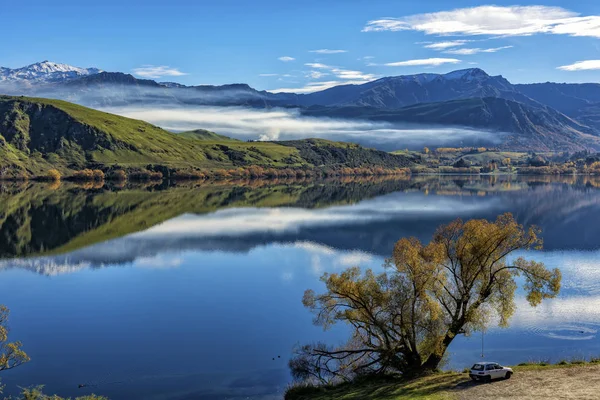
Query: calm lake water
point(195, 292)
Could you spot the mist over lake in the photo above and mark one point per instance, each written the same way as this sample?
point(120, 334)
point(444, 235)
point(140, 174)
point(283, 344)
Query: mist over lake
point(289, 123)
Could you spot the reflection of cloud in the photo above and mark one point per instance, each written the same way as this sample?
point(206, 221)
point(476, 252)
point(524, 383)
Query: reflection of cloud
point(335, 258)
point(325, 258)
point(244, 221)
point(163, 261)
point(315, 265)
point(314, 248)
point(580, 269)
point(567, 318)
point(354, 259)
point(46, 265)
point(284, 124)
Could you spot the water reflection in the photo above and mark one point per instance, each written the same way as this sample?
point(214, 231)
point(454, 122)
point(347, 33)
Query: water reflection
point(194, 292)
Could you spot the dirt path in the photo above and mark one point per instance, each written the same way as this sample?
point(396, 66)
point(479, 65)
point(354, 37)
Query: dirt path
point(581, 383)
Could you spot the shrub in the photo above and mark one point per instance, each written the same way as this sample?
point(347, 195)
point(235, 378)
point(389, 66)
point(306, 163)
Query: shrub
point(98, 175)
point(117, 175)
point(83, 175)
point(145, 175)
point(188, 175)
point(53, 175)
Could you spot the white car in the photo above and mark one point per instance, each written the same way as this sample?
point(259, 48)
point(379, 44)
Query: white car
point(486, 371)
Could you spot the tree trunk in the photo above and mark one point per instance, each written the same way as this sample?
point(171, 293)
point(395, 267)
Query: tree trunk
point(433, 361)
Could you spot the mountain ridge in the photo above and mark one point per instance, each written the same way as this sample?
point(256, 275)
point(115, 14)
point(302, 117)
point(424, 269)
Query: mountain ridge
point(564, 116)
point(539, 129)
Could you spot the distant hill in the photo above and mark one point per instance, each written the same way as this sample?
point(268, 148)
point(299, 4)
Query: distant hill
point(203, 134)
point(580, 101)
point(39, 134)
point(528, 128)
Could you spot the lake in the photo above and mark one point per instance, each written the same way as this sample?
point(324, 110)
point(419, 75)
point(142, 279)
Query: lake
point(194, 291)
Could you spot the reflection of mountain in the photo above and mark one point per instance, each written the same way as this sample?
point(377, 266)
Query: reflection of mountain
point(94, 228)
point(38, 220)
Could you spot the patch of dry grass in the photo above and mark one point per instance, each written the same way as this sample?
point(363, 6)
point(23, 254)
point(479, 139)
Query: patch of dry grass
point(581, 382)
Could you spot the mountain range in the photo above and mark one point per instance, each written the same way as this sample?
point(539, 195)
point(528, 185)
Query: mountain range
point(542, 116)
point(43, 72)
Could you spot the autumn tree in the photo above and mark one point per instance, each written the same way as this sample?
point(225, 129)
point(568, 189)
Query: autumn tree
point(404, 319)
point(11, 355)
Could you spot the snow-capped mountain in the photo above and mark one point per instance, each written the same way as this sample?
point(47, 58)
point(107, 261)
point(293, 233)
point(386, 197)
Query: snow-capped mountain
point(44, 72)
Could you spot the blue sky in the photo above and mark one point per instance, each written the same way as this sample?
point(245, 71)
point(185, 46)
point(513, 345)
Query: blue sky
point(226, 41)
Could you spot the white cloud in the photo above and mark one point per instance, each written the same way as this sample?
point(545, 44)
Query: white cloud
point(434, 62)
point(316, 74)
point(494, 20)
point(318, 65)
point(316, 86)
point(286, 58)
point(353, 75)
point(346, 76)
point(581, 66)
point(268, 74)
point(157, 71)
point(469, 51)
point(328, 51)
point(445, 45)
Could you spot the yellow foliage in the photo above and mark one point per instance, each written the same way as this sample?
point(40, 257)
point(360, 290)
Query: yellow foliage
point(54, 175)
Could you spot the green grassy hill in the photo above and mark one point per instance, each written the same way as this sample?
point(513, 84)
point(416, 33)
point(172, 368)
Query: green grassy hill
point(39, 134)
point(203, 134)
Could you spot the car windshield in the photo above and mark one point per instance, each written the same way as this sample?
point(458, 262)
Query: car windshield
point(478, 367)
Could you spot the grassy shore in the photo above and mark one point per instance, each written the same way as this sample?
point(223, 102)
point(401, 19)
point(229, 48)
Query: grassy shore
point(564, 380)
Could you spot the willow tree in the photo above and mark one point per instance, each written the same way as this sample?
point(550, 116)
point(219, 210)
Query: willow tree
point(404, 319)
point(11, 355)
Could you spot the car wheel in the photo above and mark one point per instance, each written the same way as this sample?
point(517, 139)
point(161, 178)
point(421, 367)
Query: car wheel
point(474, 379)
point(508, 375)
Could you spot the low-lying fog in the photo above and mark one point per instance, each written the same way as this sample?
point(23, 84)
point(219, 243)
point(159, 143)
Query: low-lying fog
point(284, 124)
